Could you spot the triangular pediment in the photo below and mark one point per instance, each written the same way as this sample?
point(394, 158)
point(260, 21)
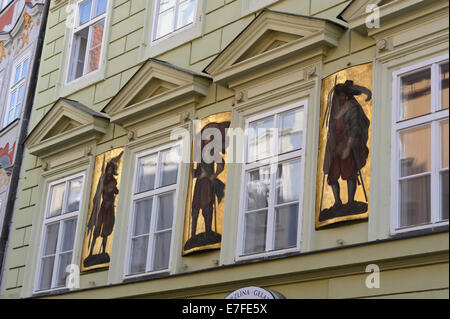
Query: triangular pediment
point(270, 37)
point(358, 8)
point(67, 123)
point(360, 14)
point(156, 84)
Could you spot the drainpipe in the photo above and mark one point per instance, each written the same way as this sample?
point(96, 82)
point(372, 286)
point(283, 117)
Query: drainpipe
point(13, 187)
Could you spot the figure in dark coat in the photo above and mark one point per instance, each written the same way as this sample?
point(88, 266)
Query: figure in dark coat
point(102, 218)
point(346, 151)
point(208, 186)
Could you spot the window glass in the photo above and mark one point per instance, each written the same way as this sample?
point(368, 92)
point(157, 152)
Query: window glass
point(255, 232)
point(85, 11)
point(291, 129)
point(56, 200)
point(261, 139)
point(415, 155)
point(416, 94)
point(258, 188)
point(444, 85)
point(147, 173)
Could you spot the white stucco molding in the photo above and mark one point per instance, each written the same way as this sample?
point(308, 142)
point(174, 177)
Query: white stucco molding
point(66, 125)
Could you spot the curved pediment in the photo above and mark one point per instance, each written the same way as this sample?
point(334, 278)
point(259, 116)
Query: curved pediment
point(156, 84)
point(272, 36)
point(68, 123)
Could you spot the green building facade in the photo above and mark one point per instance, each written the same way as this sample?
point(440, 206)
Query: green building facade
point(128, 74)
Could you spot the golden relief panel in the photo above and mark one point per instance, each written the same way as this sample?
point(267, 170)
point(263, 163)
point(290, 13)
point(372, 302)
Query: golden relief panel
point(343, 171)
point(206, 192)
point(101, 217)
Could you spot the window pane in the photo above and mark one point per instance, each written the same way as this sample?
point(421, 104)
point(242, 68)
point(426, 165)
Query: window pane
point(12, 103)
point(143, 214)
point(286, 226)
point(10, 116)
point(415, 154)
point(73, 203)
point(260, 139)
point(166, 207)
point(56, 199)
point(444, 144)
point(96, 46)
point(51, 239)
point(146, 173)
point(25, 68)
point(17, 75)
point(288, 182)
point(444, 194)
point(139, 248)
point(69, 234)
point(444, 86)
point(416, 94)
point(19, 101)
point(85, 11)
point(255, 232)
point(165, 23)
point(415, 201)
point(186, 13)
point(170, 159)
point(162, 250)
point(46, 273)
point(291, 131)
point(258, 184)
point(166, 4)
point(78, 53)
point(64, 261)
point(100, 7)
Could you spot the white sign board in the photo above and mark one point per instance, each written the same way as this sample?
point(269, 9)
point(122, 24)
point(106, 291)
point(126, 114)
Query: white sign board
point(254, 293)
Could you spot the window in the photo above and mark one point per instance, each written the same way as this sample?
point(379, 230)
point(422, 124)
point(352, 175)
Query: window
point(153, 207)
point(420, 141)
point(88, 36)
point(172, 16)
point(59, 232)
point(16, 91)
point(272, 182)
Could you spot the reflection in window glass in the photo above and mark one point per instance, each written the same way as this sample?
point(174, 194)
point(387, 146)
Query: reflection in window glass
point(416, 94)
point(444, 85)
point(415, 157)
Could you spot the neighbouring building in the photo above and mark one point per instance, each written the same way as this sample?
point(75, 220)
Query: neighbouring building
point(338, 178)
point(20, 24)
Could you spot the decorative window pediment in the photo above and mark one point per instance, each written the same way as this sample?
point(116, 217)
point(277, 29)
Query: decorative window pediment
point(67, 124)
point(270, 38)
point(360, 13)
point(157, 84)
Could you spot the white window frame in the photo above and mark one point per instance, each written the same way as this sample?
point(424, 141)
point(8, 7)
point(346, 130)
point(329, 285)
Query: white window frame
point(433, 119)
point(4, 3)
point(273, 162)
point(16, 87)
point(155, 20)
point(152, 48)
point(58, 219)
point(135, 196)
point(76, 28)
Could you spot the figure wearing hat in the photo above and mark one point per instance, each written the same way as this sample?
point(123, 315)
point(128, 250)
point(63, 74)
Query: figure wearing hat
point(346, 151)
